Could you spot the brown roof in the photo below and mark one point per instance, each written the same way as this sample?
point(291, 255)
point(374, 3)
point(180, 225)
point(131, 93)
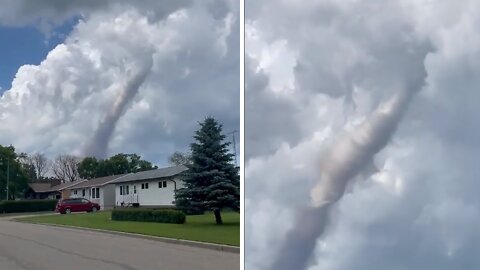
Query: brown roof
point(40, 187)
point(95, 182)
point(65, 185)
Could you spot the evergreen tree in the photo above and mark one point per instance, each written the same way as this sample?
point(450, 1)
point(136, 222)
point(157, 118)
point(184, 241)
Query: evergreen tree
point(212, 181)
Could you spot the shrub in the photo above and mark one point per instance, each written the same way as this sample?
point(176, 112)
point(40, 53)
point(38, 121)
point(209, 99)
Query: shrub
point(27, 206)
point(173, 208)
point(149, 215)
point(192, 211)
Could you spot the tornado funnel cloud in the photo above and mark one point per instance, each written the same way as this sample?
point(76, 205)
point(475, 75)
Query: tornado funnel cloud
point(346, 159)
point(301, 240)
point(350, 155)
point(98, 144)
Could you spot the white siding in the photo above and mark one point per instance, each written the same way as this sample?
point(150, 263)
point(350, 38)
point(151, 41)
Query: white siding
point(125, 198)
point(107, 195)
point(180, 184)
point(153, 196)
point(79, 193)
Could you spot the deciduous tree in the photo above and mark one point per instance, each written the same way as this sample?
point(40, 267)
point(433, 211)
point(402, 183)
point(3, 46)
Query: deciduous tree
point(179, 158)
point(65, 167)
point(11, 172)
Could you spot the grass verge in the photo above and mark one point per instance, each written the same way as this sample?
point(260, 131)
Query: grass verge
point(197, 228)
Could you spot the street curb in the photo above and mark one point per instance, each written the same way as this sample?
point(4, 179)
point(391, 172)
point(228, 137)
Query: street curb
point(183, 242)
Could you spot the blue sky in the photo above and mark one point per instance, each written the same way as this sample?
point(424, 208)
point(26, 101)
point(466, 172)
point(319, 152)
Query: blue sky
point(26, 45)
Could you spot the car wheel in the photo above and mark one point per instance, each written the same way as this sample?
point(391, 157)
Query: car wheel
point(68, 211)
point(94, 209)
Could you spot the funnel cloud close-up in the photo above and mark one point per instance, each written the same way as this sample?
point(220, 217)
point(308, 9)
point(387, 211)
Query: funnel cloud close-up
point(366, 154)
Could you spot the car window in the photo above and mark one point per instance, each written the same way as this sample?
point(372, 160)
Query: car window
point(84, 201)
point(75, 201)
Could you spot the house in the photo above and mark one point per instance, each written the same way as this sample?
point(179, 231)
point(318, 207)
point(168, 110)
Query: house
point(40, 191)
point(149, 188)
point(98, 190)
point(52, 190)
point(63, 189)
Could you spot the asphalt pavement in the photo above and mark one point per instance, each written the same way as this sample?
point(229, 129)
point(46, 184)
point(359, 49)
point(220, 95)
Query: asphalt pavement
point(26, 246)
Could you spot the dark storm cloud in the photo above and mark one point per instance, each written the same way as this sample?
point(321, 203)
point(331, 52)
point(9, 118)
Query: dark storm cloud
point(266, 116)
point(23, 12)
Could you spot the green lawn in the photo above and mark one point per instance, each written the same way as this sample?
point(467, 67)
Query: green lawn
point(198, 228)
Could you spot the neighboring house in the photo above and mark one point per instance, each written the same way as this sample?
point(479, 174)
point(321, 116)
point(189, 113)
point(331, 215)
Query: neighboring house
point(47, 191)
point(98, 190)
point(149, 188)
point(40, 191)
point(64, 189)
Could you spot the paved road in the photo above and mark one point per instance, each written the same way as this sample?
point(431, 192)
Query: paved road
point(37, 247)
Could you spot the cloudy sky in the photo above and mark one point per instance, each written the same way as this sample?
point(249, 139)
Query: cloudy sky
point(149, 71)
point(315, 70)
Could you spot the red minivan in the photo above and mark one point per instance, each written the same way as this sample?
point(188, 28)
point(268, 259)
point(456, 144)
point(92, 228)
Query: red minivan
point(66, 206)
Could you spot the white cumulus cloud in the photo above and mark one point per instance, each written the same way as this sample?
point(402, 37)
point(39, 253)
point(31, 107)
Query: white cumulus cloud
point(56, 107)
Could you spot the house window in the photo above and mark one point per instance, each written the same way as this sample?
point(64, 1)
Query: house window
point(95, 193)
point(124, 190)
point(143, 186)
point(134, 189)
point(164, 184)
point(83, 192)
point(146, 185)
point(75, 192)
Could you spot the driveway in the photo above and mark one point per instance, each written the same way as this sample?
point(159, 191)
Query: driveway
point(33, 247)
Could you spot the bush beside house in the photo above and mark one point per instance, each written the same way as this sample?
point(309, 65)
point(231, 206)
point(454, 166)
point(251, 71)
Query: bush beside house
point(27, 206)
point(149, 215)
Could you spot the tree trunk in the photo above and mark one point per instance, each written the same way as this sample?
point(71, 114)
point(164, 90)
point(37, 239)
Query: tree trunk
point(218, 217)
